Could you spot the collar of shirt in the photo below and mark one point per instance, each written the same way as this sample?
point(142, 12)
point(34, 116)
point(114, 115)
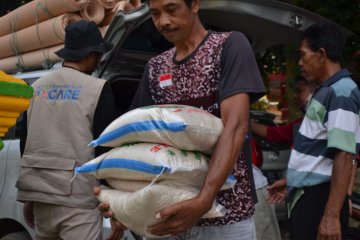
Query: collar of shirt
point(336, 77)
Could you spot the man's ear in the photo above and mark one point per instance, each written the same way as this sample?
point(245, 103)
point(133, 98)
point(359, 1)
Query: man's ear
point(322, 54)
point(195, 6)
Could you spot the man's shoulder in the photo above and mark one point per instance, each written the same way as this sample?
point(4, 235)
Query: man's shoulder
point(342, 87)
point(219, 37)
point(221, 34)
point(73, 72)
point(226, 34)
point(168, 54)
point(68, 74)
point(345, 83)
point(45, 78)
point(236, 37)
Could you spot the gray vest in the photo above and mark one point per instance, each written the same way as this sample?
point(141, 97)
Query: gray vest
point(60, 122)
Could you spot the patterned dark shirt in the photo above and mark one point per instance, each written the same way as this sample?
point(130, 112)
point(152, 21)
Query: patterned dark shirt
point(202, 80)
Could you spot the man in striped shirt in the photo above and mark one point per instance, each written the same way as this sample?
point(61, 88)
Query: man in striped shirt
point(320, 165)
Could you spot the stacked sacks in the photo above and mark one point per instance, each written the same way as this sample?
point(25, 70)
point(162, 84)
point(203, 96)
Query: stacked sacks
point(160, 157)
point(150, 162)
point(147, 177)
point(187, 128)
point(14, 99)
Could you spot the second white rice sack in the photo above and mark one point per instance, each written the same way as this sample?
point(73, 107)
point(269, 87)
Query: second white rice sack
point(137, 210)
point(181, 126)
point(149, 161)
point(135, 185)
point(127, 185)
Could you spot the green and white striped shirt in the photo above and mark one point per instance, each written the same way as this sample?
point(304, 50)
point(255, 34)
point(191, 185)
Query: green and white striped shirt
point(331, 124)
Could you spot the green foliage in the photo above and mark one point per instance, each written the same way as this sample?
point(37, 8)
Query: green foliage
point(344, 12)
point(273, 60)
point(283, 59)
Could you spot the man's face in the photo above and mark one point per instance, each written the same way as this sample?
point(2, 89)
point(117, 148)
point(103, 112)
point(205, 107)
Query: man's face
point(173, 18)
point(310, 62)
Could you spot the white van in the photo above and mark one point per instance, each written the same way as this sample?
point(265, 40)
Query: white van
point(12, 223)
point(264, 22)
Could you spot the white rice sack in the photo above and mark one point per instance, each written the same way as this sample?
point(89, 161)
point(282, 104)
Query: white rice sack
point(136, 185)
point(127, 185)
point(149, 161)
point(137, 210)
point(181, 126)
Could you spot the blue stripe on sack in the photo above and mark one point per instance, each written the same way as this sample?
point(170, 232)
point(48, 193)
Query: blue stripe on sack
point(138, 127)
point(122, 163)
point(230, 179)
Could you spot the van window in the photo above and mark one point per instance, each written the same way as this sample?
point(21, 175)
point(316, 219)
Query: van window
point(30, 81)
point(146, 38)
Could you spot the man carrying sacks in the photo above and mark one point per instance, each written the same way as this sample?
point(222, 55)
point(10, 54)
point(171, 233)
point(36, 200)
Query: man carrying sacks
point(216, 72)
point(145, 172)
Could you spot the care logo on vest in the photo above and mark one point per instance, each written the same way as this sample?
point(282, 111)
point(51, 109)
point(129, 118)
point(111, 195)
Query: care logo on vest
point(58, 92)
point(165, 80)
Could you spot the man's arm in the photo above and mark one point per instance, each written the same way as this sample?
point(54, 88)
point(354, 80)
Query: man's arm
point(181, 216)
point(330, 227)
point(105, 113)
point(235, 116)
point(351, 185)
point(276, 134)
point(258, 129)
point(23, 133)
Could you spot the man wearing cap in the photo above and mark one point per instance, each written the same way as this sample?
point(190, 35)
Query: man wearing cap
point(69, 109)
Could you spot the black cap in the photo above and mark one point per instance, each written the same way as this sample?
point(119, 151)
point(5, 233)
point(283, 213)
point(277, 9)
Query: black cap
point(81, 39)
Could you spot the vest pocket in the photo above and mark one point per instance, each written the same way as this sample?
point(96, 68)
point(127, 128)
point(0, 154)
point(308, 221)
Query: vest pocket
point(46, 174)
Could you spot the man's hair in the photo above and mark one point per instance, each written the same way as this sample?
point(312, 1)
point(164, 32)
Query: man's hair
point(188, 2)
point(327, 36)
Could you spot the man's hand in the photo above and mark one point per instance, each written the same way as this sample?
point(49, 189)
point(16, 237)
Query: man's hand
point(117, 229)
point(329, 228)
point(29, 214)
point(178, 218)
point(277, 191)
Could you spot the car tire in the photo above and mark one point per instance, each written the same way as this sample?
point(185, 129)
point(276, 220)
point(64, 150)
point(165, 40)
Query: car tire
point(17, 236)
